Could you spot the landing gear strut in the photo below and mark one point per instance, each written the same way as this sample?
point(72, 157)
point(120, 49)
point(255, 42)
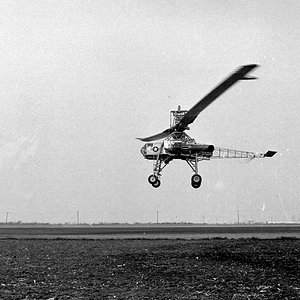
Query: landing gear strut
point(196, 179)
point(158, 166)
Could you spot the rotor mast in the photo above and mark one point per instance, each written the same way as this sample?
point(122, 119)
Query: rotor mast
point(176, 116)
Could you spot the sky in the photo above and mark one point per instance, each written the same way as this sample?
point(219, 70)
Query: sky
point(80, 80)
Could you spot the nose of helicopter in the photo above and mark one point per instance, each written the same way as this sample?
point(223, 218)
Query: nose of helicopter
point(143, 150)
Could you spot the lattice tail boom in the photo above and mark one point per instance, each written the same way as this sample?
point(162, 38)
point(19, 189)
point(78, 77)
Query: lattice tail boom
point(230, 153)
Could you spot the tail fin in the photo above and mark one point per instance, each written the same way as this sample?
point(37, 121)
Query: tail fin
point(270, 153)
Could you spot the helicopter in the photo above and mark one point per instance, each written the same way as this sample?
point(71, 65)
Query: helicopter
point(173, 143)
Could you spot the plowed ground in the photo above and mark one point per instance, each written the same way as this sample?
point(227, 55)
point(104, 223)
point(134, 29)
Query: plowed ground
point(150, 269)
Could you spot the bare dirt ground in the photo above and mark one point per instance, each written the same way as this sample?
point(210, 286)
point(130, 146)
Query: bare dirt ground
point(150, 269)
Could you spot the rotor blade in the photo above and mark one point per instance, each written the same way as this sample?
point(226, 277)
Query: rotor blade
point(158, 136)
point(192, 114)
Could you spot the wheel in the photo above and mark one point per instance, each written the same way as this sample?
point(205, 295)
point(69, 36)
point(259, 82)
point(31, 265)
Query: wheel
point(152, 179)
point(196, 181)
point(195, 185)
point(196, 178)
point(156, 184)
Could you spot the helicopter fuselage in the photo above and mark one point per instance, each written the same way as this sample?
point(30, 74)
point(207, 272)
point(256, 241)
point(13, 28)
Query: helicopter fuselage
point(177, 145)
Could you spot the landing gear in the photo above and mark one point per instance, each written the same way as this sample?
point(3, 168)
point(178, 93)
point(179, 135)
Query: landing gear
point(158, 165)
point(154, 181)
point(196, 181)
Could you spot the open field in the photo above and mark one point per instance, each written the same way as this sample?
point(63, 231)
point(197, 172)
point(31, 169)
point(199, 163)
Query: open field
point(149, 269)
point(149, 231)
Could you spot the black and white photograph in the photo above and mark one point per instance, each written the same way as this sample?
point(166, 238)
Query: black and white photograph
point(149, 149)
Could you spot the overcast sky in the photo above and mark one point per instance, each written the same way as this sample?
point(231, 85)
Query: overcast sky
point(80, 80)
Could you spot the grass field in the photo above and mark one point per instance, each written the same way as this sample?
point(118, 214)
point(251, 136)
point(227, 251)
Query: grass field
point(149, 269)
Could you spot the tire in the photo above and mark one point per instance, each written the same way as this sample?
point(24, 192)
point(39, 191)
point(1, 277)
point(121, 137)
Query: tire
point(195, 185)
point(152, 179)
point(196, 181)
point(156, 184)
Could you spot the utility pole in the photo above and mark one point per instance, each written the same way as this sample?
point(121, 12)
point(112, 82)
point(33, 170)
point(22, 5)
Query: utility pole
point(6, 219)
point(157, 216)
point(77, 217)
point(238, 215)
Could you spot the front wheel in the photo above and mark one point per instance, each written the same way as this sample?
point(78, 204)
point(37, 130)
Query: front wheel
point(152, 179)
